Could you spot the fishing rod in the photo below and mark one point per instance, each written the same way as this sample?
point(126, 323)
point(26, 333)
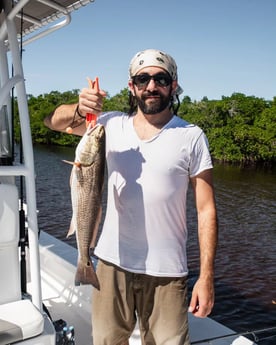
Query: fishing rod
point(252, 333)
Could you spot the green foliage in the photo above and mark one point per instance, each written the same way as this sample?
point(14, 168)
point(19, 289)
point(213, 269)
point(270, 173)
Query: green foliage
point(118, 102)
point(239, 128)
point(39, 108)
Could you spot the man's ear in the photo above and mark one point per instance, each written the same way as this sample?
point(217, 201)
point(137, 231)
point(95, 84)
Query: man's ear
point(174, 86)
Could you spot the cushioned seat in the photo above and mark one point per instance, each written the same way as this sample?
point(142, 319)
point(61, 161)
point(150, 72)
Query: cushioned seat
point(19, 320)
point(10, 286)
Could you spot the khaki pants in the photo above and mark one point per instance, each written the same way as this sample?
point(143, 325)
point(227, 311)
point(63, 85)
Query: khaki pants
point(160, 303)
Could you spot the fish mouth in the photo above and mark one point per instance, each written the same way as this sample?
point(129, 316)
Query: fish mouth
point(97, 130)
point(92, 128)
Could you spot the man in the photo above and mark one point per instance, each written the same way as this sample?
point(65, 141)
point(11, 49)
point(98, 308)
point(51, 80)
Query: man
point(151, 156)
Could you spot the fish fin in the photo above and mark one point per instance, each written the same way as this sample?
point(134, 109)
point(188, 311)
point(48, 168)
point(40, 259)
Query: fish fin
point(86, 275)
point(67, 162)
point(77, 164)
point(71, 230)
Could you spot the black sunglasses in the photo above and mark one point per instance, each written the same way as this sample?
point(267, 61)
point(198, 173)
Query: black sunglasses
point(160, 79)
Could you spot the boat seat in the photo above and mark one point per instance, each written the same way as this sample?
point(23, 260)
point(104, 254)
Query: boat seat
point(10, 286)
point(19, 319)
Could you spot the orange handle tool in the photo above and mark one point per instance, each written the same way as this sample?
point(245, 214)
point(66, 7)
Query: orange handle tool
point(92, 118)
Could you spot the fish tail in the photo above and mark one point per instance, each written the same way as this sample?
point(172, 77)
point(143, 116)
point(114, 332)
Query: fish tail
point(86, 275)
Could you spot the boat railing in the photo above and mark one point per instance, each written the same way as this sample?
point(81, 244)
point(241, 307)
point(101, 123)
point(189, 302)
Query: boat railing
point(26, 169)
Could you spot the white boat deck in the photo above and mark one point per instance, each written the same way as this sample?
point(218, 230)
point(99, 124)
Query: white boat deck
point(73, 304)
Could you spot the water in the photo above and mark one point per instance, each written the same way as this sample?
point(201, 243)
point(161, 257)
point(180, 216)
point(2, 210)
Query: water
point(246, 257)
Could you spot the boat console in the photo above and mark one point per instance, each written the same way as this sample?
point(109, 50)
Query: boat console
point(23, 319)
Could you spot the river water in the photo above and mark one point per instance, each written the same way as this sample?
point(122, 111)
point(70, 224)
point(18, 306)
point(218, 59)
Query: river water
point(246, 257)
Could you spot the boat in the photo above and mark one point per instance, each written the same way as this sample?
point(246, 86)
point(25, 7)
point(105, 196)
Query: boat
point(39, 303)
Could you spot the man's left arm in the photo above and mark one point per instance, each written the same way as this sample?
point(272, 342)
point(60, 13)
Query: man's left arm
point(203, 294)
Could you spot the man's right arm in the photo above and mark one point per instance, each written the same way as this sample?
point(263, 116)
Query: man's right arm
point(66, 116)
point(73, 115)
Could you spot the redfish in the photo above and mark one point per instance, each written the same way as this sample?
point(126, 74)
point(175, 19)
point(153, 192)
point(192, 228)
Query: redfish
point(87, 180)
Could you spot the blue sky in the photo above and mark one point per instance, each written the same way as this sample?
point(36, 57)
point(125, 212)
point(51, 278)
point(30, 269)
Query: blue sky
point(220, 46)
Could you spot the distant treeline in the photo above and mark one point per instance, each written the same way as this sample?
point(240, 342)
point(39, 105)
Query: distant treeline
point(240, 128)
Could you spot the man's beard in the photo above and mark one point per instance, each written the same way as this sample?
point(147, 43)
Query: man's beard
point(156, 105)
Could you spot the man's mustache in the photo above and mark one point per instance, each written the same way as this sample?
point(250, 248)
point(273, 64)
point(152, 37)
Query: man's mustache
point(150, 94)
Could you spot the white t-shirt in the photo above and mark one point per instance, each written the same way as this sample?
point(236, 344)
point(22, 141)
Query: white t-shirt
point(145, 225)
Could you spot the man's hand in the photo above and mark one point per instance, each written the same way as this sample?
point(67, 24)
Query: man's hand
point(203, 296)
point(91, 101)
